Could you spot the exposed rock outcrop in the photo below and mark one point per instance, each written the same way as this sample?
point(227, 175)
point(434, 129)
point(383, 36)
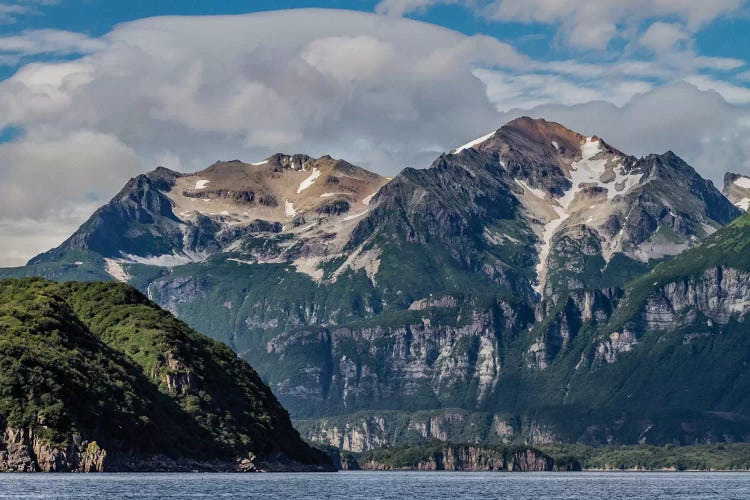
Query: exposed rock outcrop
point(23, 451)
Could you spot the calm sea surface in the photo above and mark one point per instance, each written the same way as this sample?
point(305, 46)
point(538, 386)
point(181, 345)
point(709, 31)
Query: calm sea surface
point(378, 485)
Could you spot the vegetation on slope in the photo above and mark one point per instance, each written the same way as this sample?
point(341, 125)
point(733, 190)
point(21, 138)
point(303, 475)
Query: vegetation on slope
point(711, 457)
point(102, 361)
point(728, 247)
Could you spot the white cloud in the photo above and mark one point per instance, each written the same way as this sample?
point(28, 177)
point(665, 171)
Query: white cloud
point(50, 186)
point(533, 89)
point(11, 10)
point(590, 24)
point(338, 82)
point(663, 37)
point(594, 24)
point(350, 59)
point(399, 8)
point(48, 41)
point(731, 93)
point(41, 176)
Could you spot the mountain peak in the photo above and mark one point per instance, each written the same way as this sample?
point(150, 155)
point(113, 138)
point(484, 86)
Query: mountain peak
point(548, 141)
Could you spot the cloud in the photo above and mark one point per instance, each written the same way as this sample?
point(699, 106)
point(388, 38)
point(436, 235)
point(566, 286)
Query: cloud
point(338, 82)
point(400, 8)
point(11, 10)
point(663, 37)
point(593, 25)
point(48, 41)
point(50, 186)
point(529, 90)
point(657, 25)
point(731, 93)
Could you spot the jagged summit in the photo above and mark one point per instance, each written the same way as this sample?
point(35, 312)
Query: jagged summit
point(169, 218)
point(576, 188)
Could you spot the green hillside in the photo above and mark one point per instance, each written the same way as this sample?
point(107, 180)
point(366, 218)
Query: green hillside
point(102, 362)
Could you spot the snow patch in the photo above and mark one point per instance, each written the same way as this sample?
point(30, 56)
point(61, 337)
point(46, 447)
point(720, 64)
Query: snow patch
point(328, 195)
point(536, 192)
point(259, 163)
point(474, 143)
point(309, 181)
point(556, 145)
point(743, 182)
point(201, 184)
point(305, 228)
point(289, 210)
point(114, 268)
point(167, 260)
point(240, 261)
point(351, 217)
point(585, 172)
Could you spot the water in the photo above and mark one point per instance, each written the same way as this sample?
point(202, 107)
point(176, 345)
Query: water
point(377, 485)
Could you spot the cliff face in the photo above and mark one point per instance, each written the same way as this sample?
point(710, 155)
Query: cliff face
point(22, 451)
point(719, 294)
point(459, 458)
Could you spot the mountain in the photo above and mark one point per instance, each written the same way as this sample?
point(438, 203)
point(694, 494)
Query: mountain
point(94, 377)
point(737, 190)
point(477, 299)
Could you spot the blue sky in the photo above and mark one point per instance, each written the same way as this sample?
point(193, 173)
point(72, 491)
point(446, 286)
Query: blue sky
point(93, 92)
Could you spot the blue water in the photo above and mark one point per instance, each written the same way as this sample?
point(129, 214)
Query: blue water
point(378, 485)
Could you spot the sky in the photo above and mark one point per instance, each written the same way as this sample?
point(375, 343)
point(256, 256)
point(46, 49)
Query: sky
point(94, 92)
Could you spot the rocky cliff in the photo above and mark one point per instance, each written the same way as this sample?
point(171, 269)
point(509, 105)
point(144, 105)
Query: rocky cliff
point(458, 458)
point(22, 451)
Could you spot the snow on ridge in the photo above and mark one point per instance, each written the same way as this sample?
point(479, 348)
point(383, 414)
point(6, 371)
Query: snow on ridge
point(743, 182)
point(257, 164)
point(289, 210)
point(201, 184)
point(587, 171)
point(352, 217)
point(309, 181)
point(474, 143)
point(167, 260)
